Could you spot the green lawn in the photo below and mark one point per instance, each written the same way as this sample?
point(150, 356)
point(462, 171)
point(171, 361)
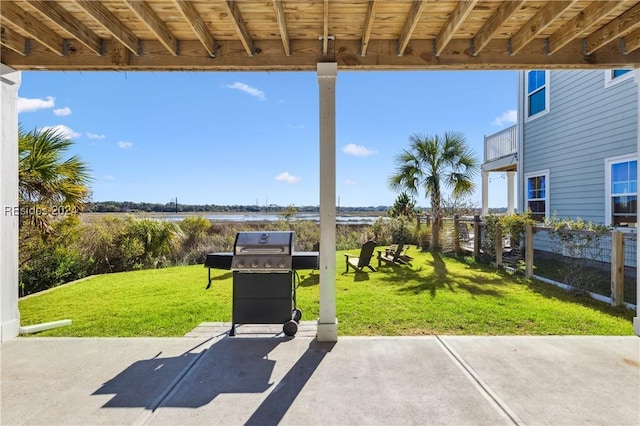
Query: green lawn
point(436, 295)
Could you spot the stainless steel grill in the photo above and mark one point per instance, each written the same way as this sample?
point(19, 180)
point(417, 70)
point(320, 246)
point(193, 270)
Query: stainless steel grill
point(263, 280)
point(263, 251)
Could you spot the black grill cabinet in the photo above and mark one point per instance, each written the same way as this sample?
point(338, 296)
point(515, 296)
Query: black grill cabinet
point(263, 281)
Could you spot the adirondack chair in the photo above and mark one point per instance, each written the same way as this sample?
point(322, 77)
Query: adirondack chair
point(396, 254)
point(363, 260)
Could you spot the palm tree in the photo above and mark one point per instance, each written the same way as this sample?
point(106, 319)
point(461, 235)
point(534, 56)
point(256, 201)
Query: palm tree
point(431, 162)
point(48, 185)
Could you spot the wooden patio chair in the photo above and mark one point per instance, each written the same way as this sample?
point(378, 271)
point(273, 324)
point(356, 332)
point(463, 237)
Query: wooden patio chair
point(396, 254)
point(363, 260)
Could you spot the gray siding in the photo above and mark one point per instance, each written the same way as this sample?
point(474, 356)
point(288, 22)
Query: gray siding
point(586, 123)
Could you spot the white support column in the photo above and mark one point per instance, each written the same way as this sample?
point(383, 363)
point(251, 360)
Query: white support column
point(485, 193)
point(9, 314)
point(520, 151)
point(510, 195)
point(636, 319)
point(327, 323)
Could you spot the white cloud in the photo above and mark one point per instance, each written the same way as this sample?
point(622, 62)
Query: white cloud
point(30, 105)
point(61, 112)
point(95, 136)
point(63, 130)
point(286, 177)
point(507, 118)
point(109, 177)
point(358, 150)
point(253, 91)
point(350, 182)
point(125, 145)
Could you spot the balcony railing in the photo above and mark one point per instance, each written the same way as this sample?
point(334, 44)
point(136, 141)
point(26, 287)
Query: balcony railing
point(501, 144)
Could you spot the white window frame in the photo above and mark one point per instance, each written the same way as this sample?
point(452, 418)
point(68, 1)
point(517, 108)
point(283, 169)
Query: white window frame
point(546, 86)
point(608, 162)
point(547, 197)
point(609, 80)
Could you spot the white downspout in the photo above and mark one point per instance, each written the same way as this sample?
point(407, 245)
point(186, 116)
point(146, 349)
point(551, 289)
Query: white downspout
point(30, 329)
point(485, 191)
point(510, 178)
point(327, 323)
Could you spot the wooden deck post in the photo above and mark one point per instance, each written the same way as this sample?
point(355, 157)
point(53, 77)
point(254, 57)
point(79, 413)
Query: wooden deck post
point(476, 237)
point(498, 245)
point(617, 268)
point(528, 252)
point(456, 234)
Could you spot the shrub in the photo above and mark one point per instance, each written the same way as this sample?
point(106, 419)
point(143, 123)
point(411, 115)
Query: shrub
point(401, 230)
point(108, 248)
point(194, 230)
point(49, 260)
point(382, 231)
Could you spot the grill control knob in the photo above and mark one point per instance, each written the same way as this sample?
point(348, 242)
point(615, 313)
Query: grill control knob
point(267, 264)
point(281, 264)
point(240, 264)
point(254, 264)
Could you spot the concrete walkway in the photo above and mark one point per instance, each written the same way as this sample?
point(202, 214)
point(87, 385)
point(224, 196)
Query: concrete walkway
point(263, 379)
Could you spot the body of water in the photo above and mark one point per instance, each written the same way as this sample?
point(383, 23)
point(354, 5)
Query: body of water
point(267, 217)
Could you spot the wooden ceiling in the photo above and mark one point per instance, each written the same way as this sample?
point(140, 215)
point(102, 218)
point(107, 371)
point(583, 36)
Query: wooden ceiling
point(297, 34)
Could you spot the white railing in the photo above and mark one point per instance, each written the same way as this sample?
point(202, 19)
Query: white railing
point(501, 144)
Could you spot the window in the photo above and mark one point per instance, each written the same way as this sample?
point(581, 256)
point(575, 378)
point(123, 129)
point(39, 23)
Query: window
point(622, 191)
point(538, 194)
point(537, 100)
point(619, 73)
point(612, 77)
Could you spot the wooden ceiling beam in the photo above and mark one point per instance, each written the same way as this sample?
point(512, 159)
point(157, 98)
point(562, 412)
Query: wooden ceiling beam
point(325, 28)
point(33, 26)
point(574, 28)
point(368, 26)
point(63, 19)
point(549, 13)
point(493, 25)
point(631, 41)
point(109, 22)
point(455, 20)
point(381, 55)
point(615, 29)
point(239, 25)
point(282, 26)
point(157, 27)
point(197, 24)
point(14, 41)
point(410, 24)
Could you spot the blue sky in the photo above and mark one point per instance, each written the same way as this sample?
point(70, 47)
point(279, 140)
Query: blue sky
point(238, 138)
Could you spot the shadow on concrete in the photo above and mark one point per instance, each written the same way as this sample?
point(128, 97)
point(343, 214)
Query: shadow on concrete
point(144, 382)
point(275, 406)
point(231, 365)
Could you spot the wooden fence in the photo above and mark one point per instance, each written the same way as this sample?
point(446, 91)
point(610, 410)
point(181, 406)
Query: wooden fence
point(619, 256)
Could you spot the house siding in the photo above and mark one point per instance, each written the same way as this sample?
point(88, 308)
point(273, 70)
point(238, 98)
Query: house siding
point(587, 122)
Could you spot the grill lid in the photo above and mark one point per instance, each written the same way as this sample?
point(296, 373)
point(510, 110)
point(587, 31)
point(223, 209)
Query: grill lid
point(263, 251)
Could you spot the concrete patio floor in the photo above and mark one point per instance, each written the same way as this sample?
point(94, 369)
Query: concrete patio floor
point(258, 378)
